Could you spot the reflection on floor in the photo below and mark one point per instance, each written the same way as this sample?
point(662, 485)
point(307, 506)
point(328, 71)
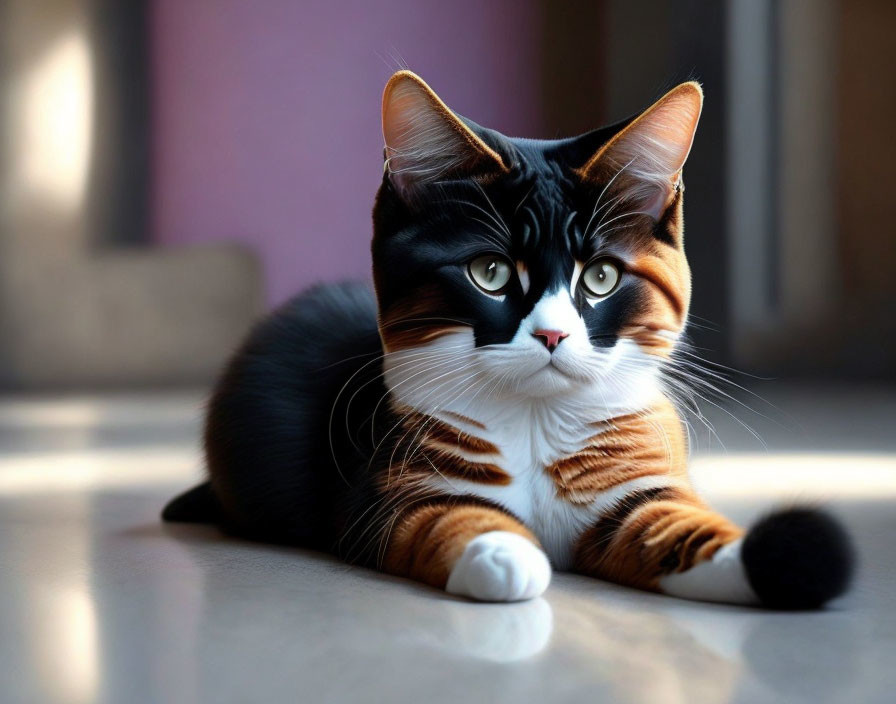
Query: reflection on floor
point(101, 603)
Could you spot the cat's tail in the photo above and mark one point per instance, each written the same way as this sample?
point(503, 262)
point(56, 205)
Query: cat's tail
point(198, 505)
point(795, 558)
point(798, 558)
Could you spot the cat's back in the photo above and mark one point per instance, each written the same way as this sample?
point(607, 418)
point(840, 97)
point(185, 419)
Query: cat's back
point(276, 435)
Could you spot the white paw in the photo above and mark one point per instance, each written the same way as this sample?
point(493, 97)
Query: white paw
point(500, 566)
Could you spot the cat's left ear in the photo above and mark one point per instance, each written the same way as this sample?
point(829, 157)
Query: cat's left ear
point(643, 161)
point(425, 141)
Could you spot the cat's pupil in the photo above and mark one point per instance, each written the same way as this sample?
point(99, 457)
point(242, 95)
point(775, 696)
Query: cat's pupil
point(491, 270)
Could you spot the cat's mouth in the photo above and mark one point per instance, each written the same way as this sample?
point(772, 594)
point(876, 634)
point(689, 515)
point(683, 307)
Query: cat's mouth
point(550, 379)
point(552, 367)
point(568, 369)
point(559, 370)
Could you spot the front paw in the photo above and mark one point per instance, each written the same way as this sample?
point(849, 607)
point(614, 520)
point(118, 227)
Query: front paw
point(500, 566)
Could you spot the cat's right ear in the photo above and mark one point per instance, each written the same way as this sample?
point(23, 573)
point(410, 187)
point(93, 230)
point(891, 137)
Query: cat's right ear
point(425, 141)
point(644, 160)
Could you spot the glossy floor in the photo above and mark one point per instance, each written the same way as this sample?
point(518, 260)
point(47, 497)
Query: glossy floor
point(99, 602)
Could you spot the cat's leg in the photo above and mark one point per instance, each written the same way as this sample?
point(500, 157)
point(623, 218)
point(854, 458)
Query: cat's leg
point(468, 548)
point(667, 540)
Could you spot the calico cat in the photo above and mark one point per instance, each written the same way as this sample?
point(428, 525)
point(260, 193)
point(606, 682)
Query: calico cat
point(499, 408)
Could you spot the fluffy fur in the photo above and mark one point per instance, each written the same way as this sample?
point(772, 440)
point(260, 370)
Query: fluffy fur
point(499, 407)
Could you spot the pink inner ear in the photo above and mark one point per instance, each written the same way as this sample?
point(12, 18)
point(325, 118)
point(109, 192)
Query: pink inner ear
point(647, 157)
point(656, 206)
point(418, 139)
point(424, 139)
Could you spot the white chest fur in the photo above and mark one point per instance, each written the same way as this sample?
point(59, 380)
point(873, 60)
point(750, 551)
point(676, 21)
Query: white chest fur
point(449, 381)
point(530, 437)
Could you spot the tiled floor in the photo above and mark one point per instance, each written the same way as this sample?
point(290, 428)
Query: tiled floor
point(99, 602)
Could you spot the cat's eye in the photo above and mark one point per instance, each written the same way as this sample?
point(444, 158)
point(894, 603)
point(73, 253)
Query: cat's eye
point(600, 278)
point(491, 273)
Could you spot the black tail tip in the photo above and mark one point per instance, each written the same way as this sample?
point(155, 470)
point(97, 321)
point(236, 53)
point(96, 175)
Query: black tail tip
point(798, 558)
point(198, 505)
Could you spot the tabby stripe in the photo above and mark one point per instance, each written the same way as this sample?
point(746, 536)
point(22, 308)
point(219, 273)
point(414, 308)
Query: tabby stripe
point(608, 524)
point(581, 478)
point(464, 419)
point(692, 546)
point(443, 435)
point(593, 458)
point(450, 465)
point(667, 537)
point(615, 423)
point(629, 447)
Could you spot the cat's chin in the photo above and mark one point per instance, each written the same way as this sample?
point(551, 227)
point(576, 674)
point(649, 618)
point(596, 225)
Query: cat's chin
point(548, 381)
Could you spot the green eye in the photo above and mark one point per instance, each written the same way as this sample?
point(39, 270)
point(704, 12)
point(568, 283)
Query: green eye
point(600, 278)
point(490, 273)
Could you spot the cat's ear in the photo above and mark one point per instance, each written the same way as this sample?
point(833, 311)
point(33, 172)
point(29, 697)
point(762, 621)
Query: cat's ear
point(426, 141)
point(643, 161)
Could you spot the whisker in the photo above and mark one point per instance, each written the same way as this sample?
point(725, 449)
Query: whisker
point(604, 190)
point(416, 363)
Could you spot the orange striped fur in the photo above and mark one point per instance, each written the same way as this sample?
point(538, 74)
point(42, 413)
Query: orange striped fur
point(662, 315)
point(430, 446)
point(628, 447)
point(464, 419)
point(427, 541)
point(646, 535)
point(651, 534)
point(443, 436)
point(429, 532)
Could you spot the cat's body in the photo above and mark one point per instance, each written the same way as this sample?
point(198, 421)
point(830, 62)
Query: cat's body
point(500, 407)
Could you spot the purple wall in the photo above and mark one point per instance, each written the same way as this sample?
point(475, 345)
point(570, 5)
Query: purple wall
point(266, 115)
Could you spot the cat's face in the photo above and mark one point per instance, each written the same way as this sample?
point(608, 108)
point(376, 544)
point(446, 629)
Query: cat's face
point(530, 268)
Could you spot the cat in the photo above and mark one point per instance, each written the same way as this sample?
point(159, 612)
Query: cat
point(497, 408)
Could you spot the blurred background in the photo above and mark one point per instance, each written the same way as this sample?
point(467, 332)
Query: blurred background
point(169, 169)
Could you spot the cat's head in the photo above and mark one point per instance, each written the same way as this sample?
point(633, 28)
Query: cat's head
point(536, 267)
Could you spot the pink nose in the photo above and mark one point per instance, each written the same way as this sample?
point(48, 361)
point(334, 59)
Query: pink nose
point(550, 338)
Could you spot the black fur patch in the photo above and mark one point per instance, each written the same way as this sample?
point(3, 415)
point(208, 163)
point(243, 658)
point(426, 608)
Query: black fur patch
point(288, 427)
point(798, 559)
